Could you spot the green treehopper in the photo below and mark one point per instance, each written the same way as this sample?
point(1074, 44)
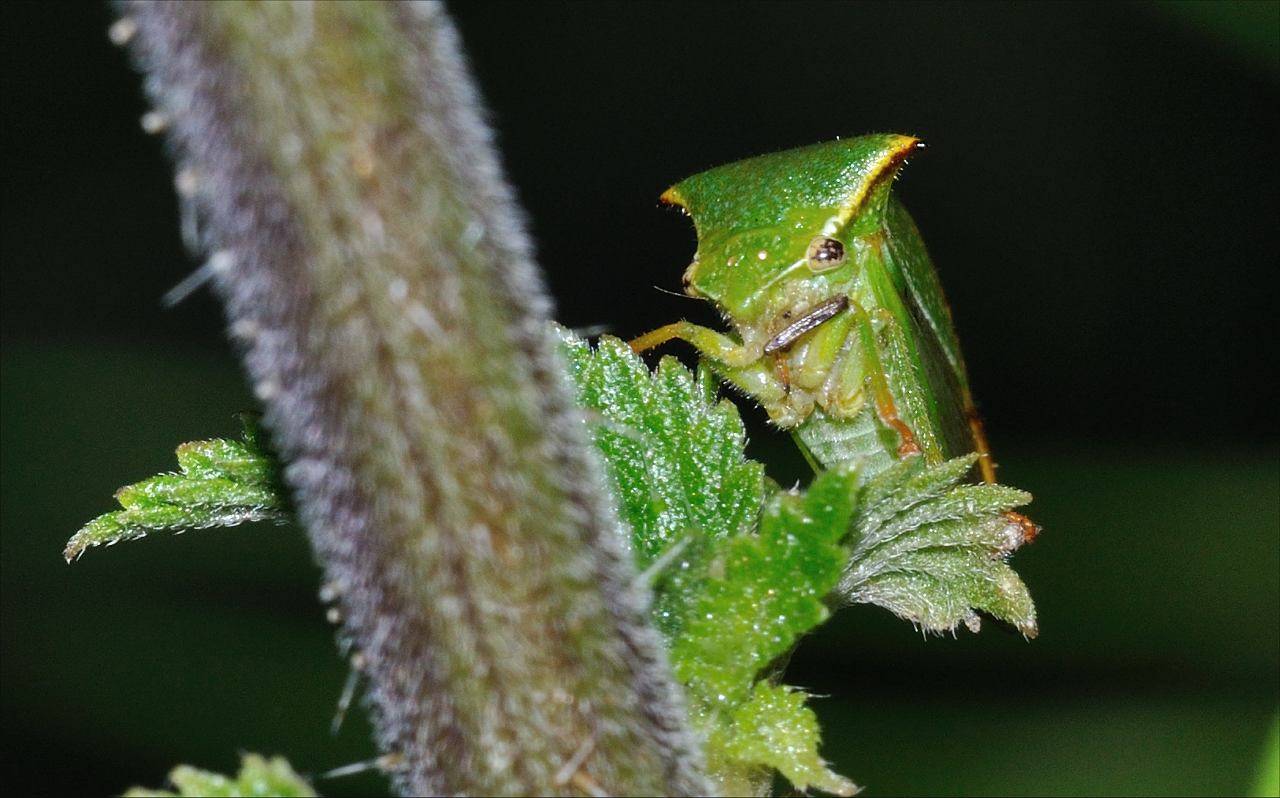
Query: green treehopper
point(840, 330)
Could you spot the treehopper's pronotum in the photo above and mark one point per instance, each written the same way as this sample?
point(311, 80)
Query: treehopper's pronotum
point(840, 329)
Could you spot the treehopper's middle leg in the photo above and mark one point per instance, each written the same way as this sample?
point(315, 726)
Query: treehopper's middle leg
point(861, 367)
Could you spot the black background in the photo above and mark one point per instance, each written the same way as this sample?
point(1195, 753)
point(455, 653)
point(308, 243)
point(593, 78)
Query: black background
point(1099, 192)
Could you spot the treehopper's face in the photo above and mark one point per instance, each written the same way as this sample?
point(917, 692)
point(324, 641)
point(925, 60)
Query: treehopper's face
point(782, 231)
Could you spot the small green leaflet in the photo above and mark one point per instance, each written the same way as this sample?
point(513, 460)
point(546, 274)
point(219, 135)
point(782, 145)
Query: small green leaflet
point(221, 483)
point(759, 594)
point(258, 776)
point(933, 550)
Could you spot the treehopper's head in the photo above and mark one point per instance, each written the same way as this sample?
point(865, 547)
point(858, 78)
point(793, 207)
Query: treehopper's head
point(772, 223)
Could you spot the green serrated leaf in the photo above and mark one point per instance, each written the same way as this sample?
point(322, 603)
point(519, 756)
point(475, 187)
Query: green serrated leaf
point(964, 503)
point(775, 728)
point(760, 593)
point(740, 568)
point(933, 551)
point(221, 483)
point(765, 590)
point(258, 776)
point(906, 483)
point(241, 461)
point(675, 454)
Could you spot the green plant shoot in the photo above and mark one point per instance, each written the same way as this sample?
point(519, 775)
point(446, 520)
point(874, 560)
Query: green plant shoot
point(840, 329)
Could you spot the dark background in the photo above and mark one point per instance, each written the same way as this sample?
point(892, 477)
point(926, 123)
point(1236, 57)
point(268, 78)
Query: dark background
point(1099, 192)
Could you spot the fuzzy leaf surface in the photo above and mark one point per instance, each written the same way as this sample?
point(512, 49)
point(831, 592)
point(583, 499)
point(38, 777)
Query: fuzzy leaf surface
point(934, 551)
point(777, 729)
point(219, 483)
point(676, 457)
point(757, 595)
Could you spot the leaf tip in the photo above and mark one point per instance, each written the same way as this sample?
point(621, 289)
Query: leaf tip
point(1030, 529)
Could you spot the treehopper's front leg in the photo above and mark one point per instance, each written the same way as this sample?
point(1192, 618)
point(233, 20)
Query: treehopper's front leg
point(741, 366)
point(709, 343)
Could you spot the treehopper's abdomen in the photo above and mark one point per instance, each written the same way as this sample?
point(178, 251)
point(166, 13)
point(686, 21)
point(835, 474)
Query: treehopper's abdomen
point(839, 326)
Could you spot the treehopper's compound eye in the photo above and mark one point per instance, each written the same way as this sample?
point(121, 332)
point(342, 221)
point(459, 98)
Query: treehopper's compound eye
point(824, 254)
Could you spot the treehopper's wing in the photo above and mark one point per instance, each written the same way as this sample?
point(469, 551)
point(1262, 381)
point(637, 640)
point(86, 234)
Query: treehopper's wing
point(923, 311)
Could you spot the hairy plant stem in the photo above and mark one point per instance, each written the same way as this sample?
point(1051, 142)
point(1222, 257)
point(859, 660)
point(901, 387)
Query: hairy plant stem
point(376, 271)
